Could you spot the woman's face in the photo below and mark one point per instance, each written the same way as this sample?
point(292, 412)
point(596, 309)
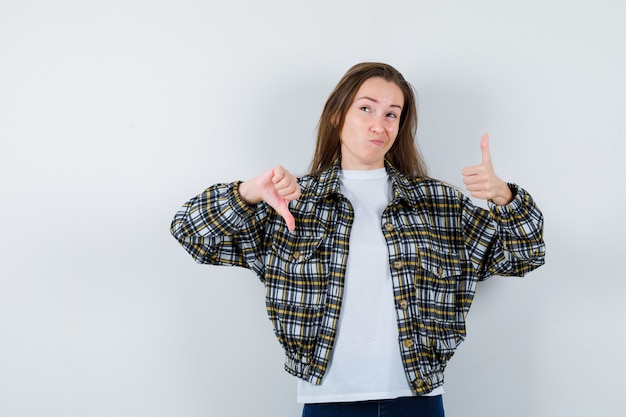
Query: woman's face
point(371, 125)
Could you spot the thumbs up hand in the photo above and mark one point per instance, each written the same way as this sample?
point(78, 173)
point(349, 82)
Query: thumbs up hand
point(277, 187)
point(481, 180)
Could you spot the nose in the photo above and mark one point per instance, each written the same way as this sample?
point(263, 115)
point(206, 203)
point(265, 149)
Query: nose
point(377, 126)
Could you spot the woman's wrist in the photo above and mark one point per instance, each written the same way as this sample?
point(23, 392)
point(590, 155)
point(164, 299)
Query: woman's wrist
point(504, 195)
point(247, 192)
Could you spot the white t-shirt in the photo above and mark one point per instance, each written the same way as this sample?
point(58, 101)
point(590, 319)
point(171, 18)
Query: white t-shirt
point(366, 362)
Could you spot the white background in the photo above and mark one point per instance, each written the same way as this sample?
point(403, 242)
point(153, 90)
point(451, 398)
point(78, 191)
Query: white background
point(113, 113)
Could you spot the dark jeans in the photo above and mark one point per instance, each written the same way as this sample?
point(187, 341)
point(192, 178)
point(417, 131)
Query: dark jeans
point(399, 407)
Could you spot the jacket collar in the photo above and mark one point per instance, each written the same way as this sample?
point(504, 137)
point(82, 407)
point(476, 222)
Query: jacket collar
point(399, 183)
point(329, 184)
point(329, 180)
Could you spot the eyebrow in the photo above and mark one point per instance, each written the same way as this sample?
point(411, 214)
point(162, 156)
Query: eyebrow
point(376, 101)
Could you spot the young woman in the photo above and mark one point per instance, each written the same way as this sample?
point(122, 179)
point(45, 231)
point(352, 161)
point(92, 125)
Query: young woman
point(370, 266)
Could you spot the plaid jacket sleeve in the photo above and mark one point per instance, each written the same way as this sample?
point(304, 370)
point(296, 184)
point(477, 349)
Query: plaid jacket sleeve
point(504, 240)
point(217, 227)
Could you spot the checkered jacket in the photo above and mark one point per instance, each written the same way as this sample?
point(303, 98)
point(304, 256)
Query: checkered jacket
point(439, 246)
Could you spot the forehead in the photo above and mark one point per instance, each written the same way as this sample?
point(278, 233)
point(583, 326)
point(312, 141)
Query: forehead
point(382, 91)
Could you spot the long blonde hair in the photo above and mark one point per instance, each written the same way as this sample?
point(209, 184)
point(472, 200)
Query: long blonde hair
point(403, 155)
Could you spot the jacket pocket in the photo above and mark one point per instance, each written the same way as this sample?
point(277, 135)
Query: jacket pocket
point(295, 248)
point(435, 284)
point(436, 340)
point(296, 328)
point(297, 271)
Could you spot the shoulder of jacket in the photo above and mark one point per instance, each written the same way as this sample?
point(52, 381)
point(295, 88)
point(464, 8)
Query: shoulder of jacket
point(310, 186)
point(309, 181)
point(427, 183)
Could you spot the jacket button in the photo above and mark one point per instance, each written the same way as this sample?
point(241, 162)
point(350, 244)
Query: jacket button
point(408, 343)
point(419, 383)
point(388, 227)
point(297, 255)
point(439, 271)
point(398, 264)
point(403, 304)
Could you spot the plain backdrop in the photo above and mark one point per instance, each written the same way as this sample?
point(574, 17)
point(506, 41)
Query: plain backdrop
point(114, 113)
